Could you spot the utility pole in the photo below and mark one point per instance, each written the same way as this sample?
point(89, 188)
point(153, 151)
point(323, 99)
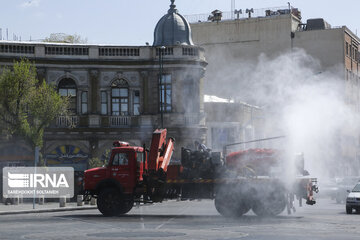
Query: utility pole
point(37, 149)
point(161, 102)
point(232, 9)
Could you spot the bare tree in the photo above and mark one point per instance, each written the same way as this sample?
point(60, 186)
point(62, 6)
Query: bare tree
point(65, 38)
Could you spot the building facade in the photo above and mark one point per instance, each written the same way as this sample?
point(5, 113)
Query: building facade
point(338, 48)
point(116, 93)
point(230, 122)
point(228, 39)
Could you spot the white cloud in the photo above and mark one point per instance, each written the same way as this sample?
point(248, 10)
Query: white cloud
point(30, 3)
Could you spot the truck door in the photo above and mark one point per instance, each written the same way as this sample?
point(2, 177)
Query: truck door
point(122, 170)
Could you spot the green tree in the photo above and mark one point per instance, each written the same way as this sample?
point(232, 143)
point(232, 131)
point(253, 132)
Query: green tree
point(27, 105)
point(95, 162)
point(65, 38)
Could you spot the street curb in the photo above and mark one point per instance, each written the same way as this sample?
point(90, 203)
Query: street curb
point(47, 210)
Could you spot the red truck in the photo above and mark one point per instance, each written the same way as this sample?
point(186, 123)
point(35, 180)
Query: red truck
point(238, 183)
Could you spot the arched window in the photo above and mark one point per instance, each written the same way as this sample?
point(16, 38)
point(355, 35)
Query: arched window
point(120, 98)
point(67, 88)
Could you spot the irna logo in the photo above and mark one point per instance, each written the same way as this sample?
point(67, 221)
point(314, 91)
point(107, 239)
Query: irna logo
point(50, 182)
point(21, 180)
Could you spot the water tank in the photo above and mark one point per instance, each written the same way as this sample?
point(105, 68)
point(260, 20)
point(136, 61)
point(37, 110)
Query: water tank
point(317, 24)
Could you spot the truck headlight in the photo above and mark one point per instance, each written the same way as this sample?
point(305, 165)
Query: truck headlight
point(350, 199)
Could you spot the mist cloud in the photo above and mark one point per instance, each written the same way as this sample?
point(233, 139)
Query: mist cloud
point(301, 101)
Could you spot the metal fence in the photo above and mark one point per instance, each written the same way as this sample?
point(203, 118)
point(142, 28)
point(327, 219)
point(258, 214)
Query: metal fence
point(67, 121)
point(119, 121)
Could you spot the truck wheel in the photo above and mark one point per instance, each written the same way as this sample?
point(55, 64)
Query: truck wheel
point(243, 206)
point(230, 206)
point(348, 210)
point(126, 206)
point(271, 205)
point(110, 202)
point(259, 209)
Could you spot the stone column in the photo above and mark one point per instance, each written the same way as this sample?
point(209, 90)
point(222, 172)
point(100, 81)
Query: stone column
point(94, 147)
point(145, 90)
point(41, 73)
point(62, 201)
point(80, 200)
point(94, 93)
point(201, 89)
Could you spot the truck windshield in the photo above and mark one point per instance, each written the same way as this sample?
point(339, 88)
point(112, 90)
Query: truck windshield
point(120, 159)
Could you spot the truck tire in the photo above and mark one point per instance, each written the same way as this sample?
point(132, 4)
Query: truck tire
point(349, 210)
point(229, 205)
point(111, 202)
point(272, 205)
point(126, 206)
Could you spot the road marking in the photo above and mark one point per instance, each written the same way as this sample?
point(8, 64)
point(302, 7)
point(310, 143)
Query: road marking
point(142, 224)
point(161, 225)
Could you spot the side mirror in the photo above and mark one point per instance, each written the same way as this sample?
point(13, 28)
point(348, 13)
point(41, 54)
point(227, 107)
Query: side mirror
point(348, 191)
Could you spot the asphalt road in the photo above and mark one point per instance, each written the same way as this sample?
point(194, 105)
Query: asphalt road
point(184, 220)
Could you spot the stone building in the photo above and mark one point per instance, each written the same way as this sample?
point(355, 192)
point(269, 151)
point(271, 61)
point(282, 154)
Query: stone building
point(228, 40)
point(230, 122)
point(116, 93)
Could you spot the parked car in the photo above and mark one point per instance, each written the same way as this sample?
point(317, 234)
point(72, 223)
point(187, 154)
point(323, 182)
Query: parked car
point(353, 200)
point(343, 185)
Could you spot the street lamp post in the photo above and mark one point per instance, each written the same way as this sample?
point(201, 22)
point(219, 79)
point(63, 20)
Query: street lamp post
point(161, 102)
point(36, 160)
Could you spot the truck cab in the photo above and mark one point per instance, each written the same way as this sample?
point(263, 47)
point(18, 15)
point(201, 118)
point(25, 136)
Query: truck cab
point(125, 167)
point(130, 173)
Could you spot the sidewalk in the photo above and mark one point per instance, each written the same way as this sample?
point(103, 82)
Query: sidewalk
point(47, 207)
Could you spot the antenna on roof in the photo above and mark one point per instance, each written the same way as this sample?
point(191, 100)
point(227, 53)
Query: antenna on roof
point(249, 11)
point(238, 12)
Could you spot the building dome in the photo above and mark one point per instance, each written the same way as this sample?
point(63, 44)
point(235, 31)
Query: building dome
point(172, 29)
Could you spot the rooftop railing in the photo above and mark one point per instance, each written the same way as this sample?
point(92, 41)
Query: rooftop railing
point(228, 15)
point(83, 51)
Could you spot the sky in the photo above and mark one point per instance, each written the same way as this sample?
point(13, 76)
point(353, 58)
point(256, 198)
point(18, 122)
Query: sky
point(132, 22)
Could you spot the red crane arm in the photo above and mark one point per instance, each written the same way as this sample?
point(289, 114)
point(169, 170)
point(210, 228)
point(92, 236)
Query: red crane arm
point(160, 150)
point(164, 162)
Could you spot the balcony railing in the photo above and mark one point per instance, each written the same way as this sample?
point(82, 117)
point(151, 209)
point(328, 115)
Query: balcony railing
point(70, 121)
point(119, 51)
point(89, 51)
point(171, 120)
point(118, 121)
